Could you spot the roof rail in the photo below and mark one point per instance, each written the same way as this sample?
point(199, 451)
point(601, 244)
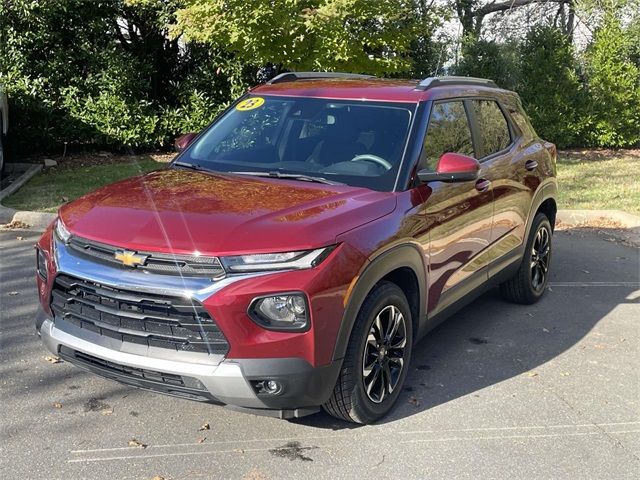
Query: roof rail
point(432, 82)
point(292, 76)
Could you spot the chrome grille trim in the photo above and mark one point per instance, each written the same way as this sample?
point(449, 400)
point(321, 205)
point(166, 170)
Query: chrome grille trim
point(156, 262)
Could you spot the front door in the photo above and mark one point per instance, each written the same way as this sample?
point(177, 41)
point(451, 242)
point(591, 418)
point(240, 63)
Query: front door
point(458, 215)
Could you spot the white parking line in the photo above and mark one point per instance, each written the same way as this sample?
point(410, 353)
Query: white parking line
point(129, 453)
point(209, 451)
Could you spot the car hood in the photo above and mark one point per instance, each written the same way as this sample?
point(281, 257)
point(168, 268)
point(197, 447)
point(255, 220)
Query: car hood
point(184, 212)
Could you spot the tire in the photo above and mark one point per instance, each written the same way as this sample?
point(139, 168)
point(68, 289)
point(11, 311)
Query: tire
point(350, 399)
point(529, 283)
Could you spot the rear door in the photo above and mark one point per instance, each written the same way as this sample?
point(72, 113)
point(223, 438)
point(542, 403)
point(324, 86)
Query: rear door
point(458, 215)
point(509, 160)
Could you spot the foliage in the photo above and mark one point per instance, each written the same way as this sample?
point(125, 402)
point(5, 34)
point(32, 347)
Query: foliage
point(613, 80)
point(105, 73)
point(351, 35)
point(490, 59)
point(549, 85)
point(136, 73)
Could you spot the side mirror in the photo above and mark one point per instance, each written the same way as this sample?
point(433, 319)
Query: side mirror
point(183, 141)
point(452, 167)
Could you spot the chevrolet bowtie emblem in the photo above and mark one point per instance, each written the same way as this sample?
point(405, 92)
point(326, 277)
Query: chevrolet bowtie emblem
point(129, 258)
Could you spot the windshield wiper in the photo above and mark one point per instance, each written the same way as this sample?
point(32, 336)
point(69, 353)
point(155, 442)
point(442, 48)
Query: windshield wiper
point(190, 166)
point(292, 176)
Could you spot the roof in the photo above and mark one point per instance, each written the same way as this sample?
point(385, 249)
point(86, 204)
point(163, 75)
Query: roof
point(371, 88)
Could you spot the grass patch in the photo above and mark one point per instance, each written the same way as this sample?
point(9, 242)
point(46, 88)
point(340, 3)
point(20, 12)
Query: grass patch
point(593, 181)
point(48, 190)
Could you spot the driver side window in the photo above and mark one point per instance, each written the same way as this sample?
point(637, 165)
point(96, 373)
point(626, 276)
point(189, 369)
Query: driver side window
point(448, 131)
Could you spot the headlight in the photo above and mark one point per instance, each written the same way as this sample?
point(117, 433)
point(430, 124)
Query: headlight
point(41, 263)
point(286, 311)
point(276, 261)
point(61, 231)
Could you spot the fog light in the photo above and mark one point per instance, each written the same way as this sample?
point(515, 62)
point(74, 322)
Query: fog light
point(281, 312)
point(272, 387)
point(267, 387)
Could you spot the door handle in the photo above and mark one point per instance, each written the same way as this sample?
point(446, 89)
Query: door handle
point(483, 185)
point(531, 165)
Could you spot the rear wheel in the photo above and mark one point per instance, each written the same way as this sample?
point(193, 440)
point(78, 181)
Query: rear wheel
point(377, 358)
point(529, 283)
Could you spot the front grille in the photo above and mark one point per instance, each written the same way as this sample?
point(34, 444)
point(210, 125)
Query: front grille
point(155, 262)
point(168, 383)
point(175, 323)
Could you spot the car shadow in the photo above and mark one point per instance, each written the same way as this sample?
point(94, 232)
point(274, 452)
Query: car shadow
point(490, 340)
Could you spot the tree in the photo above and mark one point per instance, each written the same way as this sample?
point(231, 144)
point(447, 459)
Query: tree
point(490, 59)
point(613, 85)
point(352, 35)
point(549, 85)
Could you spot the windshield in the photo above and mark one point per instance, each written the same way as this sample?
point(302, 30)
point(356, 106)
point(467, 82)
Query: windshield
point(346, 142)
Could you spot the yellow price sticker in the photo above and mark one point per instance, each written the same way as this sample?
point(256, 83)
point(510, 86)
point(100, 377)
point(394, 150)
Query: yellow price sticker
point(250, 104)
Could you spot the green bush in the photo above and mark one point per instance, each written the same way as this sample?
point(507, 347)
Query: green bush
point(549, 86)
point(73, 76)
point(613, 79)
point(489, 59)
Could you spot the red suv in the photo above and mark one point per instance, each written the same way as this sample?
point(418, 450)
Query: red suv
point(295, 251)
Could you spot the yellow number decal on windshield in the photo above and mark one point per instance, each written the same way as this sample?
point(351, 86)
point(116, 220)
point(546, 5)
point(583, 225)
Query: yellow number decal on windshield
point(250, 104)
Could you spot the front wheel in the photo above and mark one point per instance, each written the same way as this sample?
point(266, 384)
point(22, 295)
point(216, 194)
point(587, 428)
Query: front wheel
point(528, 284)
point(377, 358)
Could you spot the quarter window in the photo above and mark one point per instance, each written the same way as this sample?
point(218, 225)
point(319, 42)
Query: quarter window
point(448, 131)
point(494, 129)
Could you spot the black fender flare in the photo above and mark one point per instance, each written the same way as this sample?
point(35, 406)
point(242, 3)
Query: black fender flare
point(406, 255)
point(546, 191)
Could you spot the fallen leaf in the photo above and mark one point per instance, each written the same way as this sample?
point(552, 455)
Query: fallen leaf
point(135, 443)
point(532, 374)
point(205, 426)
point(201, 440)
point(414, 401)
point(53, 359)
point(255, 474)
point(57, 405)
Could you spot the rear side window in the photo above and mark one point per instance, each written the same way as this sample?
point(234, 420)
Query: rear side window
point(523, 123)
point(448, 131)
point(494, 129)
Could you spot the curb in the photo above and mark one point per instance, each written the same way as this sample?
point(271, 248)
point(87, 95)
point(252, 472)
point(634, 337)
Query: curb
point(32, 169)
point(579, 218)
point(9, 215)
point(37, 220)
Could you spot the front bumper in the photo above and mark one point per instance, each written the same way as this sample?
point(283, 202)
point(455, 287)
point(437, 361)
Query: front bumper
point(231, 381)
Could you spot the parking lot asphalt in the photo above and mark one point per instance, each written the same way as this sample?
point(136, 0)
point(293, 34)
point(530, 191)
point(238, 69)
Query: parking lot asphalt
point(498, 391)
